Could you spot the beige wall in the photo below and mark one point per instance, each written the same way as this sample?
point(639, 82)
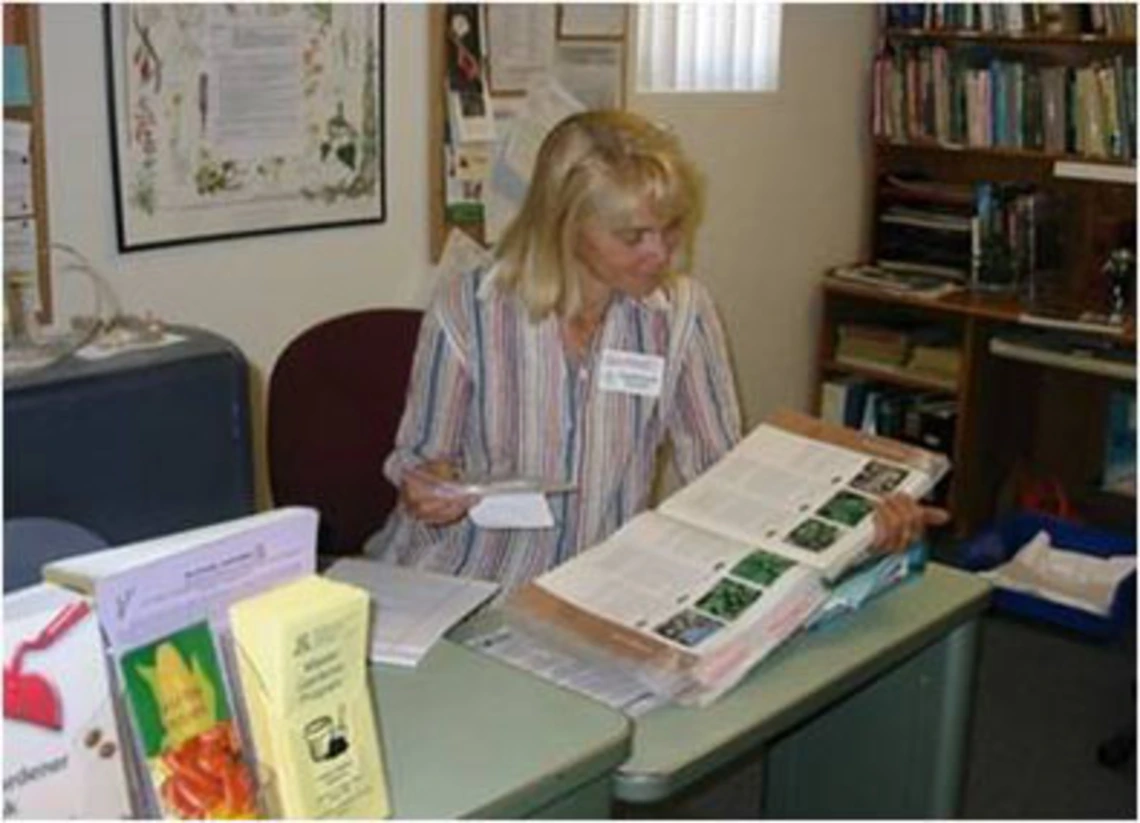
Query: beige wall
point(786, 175)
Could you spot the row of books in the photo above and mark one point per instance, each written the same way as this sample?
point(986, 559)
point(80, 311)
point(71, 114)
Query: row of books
point(967, 97)
point(1112, 19)
point(966, 232)
point(926, 419)
point(929, 351)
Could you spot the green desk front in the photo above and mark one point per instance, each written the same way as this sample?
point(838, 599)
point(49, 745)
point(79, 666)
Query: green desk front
point(863, 718)
point(465, 736)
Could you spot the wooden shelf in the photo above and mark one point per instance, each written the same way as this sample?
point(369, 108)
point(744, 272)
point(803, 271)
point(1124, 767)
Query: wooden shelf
point(895, 375)
point(994, 161)
point(965, 36)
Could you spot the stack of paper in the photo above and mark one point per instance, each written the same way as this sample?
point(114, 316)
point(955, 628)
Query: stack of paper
point(411, 609)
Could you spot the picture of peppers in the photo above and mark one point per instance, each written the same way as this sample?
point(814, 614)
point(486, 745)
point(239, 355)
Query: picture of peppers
point(207, 778)
point(192, 746)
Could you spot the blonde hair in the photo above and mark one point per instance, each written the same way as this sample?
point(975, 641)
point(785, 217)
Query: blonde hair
point(595, 165)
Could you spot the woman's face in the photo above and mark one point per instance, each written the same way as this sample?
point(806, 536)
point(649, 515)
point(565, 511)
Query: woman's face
point(630, 259)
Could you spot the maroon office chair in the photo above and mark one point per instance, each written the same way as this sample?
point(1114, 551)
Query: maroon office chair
point(336, 395)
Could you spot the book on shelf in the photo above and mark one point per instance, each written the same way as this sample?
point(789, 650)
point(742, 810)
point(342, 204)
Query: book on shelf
point(968, 96)
point(693, 594)
point(910, 284)
point(1119, 474)
point(874, 345)
point(841, 400)
point(935, 352)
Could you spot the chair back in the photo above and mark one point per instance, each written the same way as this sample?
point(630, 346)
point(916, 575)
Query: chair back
point(336, 395)
point(30, 543)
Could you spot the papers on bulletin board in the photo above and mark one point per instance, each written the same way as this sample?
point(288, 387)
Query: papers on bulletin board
point(520, 42)
point(468, 95)
point(20, 247)
point(17, 169)
point(547, 104)
point(17, 92)
point(592, 20)
point(592, 72)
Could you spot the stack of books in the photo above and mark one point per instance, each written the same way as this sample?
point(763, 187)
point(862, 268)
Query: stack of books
point(861, 344)
point(935, 353)
point(925, 228)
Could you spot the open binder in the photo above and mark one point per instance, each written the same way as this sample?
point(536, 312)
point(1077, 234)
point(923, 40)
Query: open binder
point(692, 595)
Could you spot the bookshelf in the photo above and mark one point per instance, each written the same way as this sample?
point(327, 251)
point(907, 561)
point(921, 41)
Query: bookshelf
point(973, 150)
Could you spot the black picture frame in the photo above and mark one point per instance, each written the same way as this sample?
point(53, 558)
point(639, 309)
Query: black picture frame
point(175, 180)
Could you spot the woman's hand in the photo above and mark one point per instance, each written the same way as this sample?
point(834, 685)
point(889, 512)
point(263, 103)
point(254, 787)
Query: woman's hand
point(900, 521)
point(427, 497)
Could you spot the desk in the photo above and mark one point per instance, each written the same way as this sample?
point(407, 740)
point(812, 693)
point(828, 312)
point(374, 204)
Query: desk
point(863, 718)
point(141, 444)
point(465, 736)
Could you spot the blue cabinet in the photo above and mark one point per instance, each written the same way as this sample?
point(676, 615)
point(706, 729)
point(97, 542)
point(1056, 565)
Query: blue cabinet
point(134, 446)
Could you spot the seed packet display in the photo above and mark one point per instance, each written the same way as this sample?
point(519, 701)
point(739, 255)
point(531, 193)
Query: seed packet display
point(185, 728)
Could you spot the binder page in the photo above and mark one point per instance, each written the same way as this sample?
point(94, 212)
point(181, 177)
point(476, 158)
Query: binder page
point(691, 590)
point(794, 496)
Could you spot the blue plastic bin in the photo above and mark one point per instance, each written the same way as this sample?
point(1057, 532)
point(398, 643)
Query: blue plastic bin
point(997, 545)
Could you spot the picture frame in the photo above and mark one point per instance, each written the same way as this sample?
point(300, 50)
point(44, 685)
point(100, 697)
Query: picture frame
point(232, 120)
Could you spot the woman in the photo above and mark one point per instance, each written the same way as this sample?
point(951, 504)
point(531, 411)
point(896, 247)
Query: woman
point(572, 358)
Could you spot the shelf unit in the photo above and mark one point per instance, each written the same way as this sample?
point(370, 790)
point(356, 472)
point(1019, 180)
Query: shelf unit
point(1010, 412)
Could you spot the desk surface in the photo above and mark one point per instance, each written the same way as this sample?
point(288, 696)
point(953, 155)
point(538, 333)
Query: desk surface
point(674, 746)
point(465, 736)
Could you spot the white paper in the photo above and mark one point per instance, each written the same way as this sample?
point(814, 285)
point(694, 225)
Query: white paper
point(592, 72)
point(470, 114)
point(17, 169)
point(254, 88)
point(608, 684)
point(17, 136)
point(21, 263)
point(1071, 578)
point(99, 350)
point(156, 587)
point(501, 202)
point(631, 373)
point(547, 104)
point(527, 510)
point(20, 253)
point(592, 20)
point(520, 43)
point(411, 609)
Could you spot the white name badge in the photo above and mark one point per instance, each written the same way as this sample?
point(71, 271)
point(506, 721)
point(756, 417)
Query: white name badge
point(631, 373)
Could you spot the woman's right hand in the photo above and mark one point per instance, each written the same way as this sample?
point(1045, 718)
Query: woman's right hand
point(426, 495)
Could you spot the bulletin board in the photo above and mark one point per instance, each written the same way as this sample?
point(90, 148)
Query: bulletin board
point(27, 259)
point(500, 75)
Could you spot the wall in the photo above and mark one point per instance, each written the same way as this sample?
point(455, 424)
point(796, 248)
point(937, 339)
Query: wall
point(786, 175)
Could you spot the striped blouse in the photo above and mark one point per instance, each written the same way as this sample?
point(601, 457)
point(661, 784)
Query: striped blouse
point(496, 394)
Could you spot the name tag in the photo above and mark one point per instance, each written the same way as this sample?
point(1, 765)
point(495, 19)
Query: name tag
point(631, 373)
